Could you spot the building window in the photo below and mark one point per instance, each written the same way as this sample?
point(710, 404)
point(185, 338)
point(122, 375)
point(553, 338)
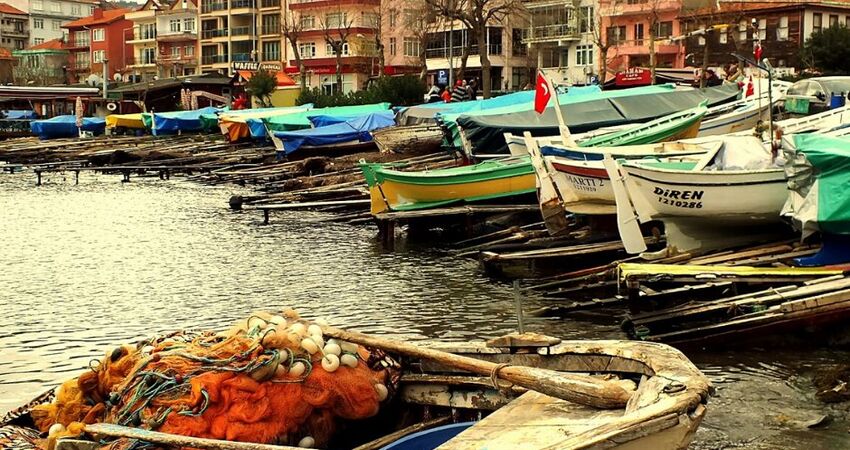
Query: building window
point(91, 10)
point(38, 24)
point(762, 29)
point(742, 31)
point(81, 60)
point(336, 20)
point(664, 29)
point(308, 22)
point(271, 51)
point(56, 7)
point(75, 10)
point(148, 31)
point(393, 17)
point(189, 50)
point(330, 51)
point(817, 22)
point(175, 52)
point(412, 46)
point(392, 46)
point(38, 5)
point(307, 49)
point(81, 38)
point(174, 25)
point(833, 20)
point(638, 28)
point(370, 19)
point(271, 24)
point(189, 24)
point(37, 41)
point(56, 25)
point(584, 55)
point(149, 55)
point(615, 35)
point(97, 35)
point(586, 19)
point(517, 47)
point(723, 37)
point(97, 56)
point(782, 29)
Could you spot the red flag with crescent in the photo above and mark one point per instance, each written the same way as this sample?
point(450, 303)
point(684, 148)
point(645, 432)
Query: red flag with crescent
point(757, 53)
point(750, 87)
point(542, 95)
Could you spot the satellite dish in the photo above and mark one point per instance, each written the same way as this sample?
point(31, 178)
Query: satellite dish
point(93, 80)
point(117, 76)
point(156, 77)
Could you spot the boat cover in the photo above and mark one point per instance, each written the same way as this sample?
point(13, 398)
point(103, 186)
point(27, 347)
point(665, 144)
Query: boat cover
point(125, 120)
point(485, 133)
point(17, 114)
point(427, 112)
point(357, 129)
point(65, 126)
point(175, 121)
point(299, 121)
point(818, 172)
point(236, 125)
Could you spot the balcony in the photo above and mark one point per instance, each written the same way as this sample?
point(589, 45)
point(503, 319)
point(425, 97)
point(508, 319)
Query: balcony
point(141, 35)
point(210, 34)
point(142, 62)
point(443, 52)
point(241, 57)
point(270, 29)
point(641, 47)
point(269, 3)
point(550, 33)
point(177, 36)
point(179, 60)
point(214, 59)
point(79, 43)
point(235, 4)
point(631, 7)
point(79, 66)
point(208, 7)
point(314, 4)
point(271, 56)
point(241, 31)
point(13, 31)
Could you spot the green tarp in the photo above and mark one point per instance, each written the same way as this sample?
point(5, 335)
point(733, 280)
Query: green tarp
point(818, 171)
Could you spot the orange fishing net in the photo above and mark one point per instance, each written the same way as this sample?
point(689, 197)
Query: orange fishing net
point(270, 379)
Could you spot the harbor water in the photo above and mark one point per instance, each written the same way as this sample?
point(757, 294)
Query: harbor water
point(85, 267)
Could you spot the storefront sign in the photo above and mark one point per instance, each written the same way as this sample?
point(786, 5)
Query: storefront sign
point(635, 76)
point(254, 66)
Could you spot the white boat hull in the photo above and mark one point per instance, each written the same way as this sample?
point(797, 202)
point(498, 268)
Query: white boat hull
point(705, 210)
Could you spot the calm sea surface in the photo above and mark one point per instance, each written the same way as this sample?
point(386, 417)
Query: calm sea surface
point(84, 267)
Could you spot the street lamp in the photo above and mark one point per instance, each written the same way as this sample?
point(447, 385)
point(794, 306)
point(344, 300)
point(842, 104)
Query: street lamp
point(105, 75)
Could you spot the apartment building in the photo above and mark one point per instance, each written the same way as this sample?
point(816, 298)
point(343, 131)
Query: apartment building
point(14, 28)
point(780, 27)
point(96, 41)
point(47, 16)
point(164, 39)
point(561, 35)
point(627, 26)
point(41, 65)
point(239, 31)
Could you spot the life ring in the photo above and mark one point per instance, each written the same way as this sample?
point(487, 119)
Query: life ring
point(112, 106)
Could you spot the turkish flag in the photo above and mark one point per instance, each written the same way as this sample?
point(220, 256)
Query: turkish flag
point(757, 53)
point(543, 92)
point(750, 87)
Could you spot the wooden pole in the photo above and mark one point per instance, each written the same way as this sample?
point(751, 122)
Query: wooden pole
point(581, 389)
point(175, 440)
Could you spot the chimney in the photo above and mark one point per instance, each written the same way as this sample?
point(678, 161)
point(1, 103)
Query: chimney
point(98, 13)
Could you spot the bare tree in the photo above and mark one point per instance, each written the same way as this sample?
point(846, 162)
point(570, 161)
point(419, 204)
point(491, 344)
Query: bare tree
point(336, 34)
point(600, 39)
point(652, 12)
point(476, 14)
point(415, 22)
point(291, 28)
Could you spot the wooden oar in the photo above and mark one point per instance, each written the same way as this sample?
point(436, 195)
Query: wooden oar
point(156, 437)
point(581, 389)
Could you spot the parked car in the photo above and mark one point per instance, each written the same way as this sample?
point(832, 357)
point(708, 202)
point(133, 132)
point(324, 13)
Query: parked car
point(814, 95)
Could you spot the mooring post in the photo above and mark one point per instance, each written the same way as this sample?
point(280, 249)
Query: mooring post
point(633, 295)
point(126, 176)
point(266, 216)
point(76, 177)
point(38, 178)
point(390, 235)
point(518, 300)
point(161, 174)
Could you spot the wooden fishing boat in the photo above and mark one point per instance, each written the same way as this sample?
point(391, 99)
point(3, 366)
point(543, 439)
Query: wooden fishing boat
point(742, 115)
point(395, 190)
point(574, 180)
point(703, 209)
point(676, 126)
point(412, 139)
point(663, 400)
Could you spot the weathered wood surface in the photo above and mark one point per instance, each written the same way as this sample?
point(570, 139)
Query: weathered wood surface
point(576, 388)
point(106, 429)
point(392, 437)
point(455, 210)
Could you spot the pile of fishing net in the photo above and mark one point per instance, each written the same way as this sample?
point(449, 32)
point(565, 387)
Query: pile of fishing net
point(268, 379)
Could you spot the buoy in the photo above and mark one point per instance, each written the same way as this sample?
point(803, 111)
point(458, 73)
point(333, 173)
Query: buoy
point(314, 330)
point(309, 345)
point(330, 363)
point(298, 368)
point(332, 349)
point(277, 320)
point(348, 360)
point(382, 392)
point(349, 347)
point(317, 338)
point(299, 328)
point(281, 371)
point(307, 442)
point(256, 322)
point(55, 429)
point(148, 349)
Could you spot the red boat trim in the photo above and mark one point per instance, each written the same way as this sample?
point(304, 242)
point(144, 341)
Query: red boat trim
point(581, 171)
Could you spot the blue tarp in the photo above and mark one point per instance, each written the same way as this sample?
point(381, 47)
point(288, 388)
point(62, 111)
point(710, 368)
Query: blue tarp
point(325, 120)
point(174, 121)
point(20, 114)
point(357, 129)
point(66, 126)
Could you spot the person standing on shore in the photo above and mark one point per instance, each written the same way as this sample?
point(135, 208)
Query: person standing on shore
point(459, 93)
point(473, 89)
point(446, 95)
point(434, 94)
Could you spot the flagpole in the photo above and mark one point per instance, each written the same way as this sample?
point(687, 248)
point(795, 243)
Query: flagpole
point(563, 130)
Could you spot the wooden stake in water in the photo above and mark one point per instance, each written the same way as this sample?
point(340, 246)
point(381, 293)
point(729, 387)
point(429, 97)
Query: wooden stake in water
point(518, 301)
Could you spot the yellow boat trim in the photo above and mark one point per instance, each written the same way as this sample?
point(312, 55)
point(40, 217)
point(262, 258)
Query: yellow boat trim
point(632, 269)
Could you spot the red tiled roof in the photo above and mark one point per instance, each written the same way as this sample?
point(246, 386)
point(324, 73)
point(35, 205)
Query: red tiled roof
point(109, 15)
point(6, 8)
point(53, 44)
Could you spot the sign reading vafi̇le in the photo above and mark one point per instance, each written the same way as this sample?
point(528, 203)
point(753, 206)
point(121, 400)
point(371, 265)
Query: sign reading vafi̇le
point(254, 66)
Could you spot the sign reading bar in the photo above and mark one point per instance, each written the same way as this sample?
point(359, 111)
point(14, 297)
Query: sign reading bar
point(255, 66)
